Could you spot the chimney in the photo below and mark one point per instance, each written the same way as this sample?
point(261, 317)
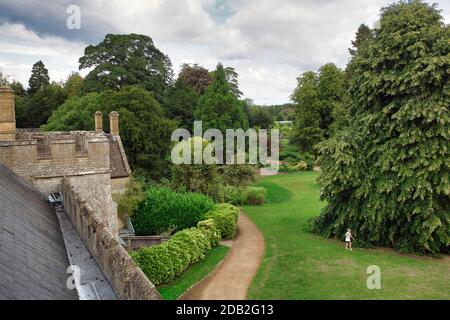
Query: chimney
point(98, 122)
point(114, 123)
point(7, 115)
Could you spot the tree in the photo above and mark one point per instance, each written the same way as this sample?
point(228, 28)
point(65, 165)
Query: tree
point(4, 81)
point(77, 113)
point(20, 105)
point(123, 60)
point(258, 116)
point(144, 129)
point(307, 116)
point(201, 178)
point(39, 106)
point(74, 85)
point(320, 99)
point(195, 76)
point(18, 88)
point(19, 97)
point(219, 108)
point(263, 118)
point(363, 35)
point(232, 78)
point(332, 94)
point(180, 104)
point(386, 176)
point(39, 77)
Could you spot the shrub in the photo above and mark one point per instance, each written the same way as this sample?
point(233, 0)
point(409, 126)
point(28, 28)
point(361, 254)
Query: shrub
point(225, 217)
point(202, 178)
point(287, 168)
point(242, 195)
point(295, 161)
point(231, 195)
point(255, 195)
point(164, 262)
point(210, 229)
point(301, 166)
point(163, 208)
point(128, 202)
point(289, 155)
point(308, 159)
point(239, 174)
point(156, 263)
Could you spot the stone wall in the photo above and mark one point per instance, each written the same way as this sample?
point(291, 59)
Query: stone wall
point(44, 159)
point(127, 279)
point(96, 191)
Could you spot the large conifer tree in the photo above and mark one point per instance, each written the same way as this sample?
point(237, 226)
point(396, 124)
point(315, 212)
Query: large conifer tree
point(387, 176)
point(219, 108)
point(39, 77)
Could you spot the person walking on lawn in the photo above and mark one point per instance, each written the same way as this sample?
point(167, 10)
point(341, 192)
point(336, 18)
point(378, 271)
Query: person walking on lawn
point(348, 240)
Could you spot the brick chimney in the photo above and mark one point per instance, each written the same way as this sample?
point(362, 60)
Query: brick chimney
point(98, 122)
point(7, 115)
point(114, 123)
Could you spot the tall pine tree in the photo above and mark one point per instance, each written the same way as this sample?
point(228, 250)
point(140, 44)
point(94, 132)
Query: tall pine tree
point(39, 77)
point(219, 108)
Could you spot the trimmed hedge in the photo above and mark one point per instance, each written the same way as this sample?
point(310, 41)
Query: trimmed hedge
point(242, 195)
point(163, 209)
point(210, 228)
point(225, 217)
point(164, 262)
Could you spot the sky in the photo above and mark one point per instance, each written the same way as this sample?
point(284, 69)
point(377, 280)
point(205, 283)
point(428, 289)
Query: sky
point(269, 43)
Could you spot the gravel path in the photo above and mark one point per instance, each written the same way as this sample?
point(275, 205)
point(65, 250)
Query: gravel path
point(233, 277)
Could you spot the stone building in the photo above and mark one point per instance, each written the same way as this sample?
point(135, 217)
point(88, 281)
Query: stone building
point(45, 158)
point(87, 167)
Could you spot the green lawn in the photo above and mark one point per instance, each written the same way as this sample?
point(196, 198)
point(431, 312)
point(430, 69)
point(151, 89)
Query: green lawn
point(194, 274)
point(301, 265)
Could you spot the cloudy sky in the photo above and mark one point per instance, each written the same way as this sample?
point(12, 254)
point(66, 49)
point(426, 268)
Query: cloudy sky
point(268, 42)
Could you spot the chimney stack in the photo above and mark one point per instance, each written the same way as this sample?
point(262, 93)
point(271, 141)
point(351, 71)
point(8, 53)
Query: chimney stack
point(114, 123)
point(7, 115)
point(98, 122)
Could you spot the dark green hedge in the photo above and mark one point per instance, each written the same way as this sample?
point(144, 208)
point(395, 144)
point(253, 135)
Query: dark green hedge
point(163, 209)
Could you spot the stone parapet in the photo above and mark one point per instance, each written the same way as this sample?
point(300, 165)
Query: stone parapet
point(127, 279)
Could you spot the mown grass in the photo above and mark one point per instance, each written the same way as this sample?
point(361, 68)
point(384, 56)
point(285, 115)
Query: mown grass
point(194, 274)
point(302, 265)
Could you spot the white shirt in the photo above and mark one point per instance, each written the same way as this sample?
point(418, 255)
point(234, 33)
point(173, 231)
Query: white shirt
point(348, 236)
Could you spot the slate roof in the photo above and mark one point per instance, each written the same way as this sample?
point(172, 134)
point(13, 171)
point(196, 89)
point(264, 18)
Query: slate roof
point(33, 258)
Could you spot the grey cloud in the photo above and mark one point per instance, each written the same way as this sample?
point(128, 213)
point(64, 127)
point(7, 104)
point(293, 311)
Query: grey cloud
point(268, 42)
point(49, 18)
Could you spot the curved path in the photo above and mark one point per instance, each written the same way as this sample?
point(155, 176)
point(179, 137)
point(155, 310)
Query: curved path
point(232, 278)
